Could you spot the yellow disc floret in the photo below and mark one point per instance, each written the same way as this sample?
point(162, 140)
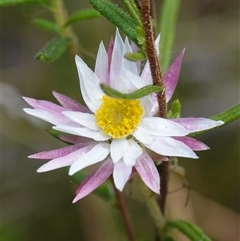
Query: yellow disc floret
point(117, 117)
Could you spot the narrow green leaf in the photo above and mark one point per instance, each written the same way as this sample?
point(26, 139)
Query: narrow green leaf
point(53, 50)
point(190, 230)
point(229, 115)
point(45, 25)
point(146, 90)
point(82, 15)
point(226, 116)
point(132, 10)
point(138, 56)
point(5, 3)
point(117, 16)
point(167, 23)
point(175, 110)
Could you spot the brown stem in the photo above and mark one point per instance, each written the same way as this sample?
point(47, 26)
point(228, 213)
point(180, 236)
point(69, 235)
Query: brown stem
point(125, 214)
point(157, 80)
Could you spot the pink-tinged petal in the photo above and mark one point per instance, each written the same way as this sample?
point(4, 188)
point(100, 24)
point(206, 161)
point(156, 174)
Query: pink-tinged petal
point(89, 84)
point(84, 119)
point(168, 146)
point(194, 144)
point(117, 149)
point(172, 75)
point(197, 124)
point(101, 66)
point(148, 172)
point(162, 127)
point(44, 105)
point(69, 103)
point(132, 152)
point(121, 174)
point(82, 131)
point(54, 118)
point(95, 155)
point(58, 152)
point(75, 139)
point(65, 160)
point(94, 179)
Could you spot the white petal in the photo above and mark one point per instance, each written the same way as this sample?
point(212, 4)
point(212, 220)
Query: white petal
point(82, 131)
point(198, 124)
point(54, 118)
point(132, 152)
point(162, 127)
point(168, 146)
point(117, 149)
point(101, 66)
point(84, 119)
point(121, 174)
point(136, 81)
point(96, 154)
point(90, 85)
point(64, 161)
point(116, 60)
point(129, 65)
point(141, 135)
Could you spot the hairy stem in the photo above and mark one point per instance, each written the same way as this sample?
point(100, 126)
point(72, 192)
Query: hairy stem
point(61, 17)
point(157, 80)
point(125, 214)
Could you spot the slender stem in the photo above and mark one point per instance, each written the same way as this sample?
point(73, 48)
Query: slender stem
point(61, 17)
point(153, 207)
point(125, 214)
point(157, 80)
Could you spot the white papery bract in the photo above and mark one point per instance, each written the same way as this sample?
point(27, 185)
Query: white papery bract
point(112, 133)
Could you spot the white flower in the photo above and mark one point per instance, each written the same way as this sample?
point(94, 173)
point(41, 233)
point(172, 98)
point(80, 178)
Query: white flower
point(117, 133)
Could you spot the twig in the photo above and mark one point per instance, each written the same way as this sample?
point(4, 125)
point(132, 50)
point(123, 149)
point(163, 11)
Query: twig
point(157, 80)
point(125, 214)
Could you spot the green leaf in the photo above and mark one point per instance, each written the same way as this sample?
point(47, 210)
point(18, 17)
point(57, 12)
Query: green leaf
point(190, 230)
point(82, 15)
point(117, 16)
point(5, 3)
point(53, 50)
point(45, 25)
point(138, 56)
point(132, 10)
point(175, 110)
point(146, 90)
point(229, 115)
point(167, 23)
point(226, 116)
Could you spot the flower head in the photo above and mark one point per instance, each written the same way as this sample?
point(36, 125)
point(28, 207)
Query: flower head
point(114, 133)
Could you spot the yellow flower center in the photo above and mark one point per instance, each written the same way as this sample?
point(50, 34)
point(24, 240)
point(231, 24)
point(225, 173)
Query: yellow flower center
point(118, 117)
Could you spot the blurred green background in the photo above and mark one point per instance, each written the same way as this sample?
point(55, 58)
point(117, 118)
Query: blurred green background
point(38, 206)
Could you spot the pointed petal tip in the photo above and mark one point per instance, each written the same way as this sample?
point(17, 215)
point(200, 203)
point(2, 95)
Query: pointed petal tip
point(33, 156)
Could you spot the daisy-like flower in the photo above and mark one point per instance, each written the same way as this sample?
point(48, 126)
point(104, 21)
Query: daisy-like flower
point(117, 134)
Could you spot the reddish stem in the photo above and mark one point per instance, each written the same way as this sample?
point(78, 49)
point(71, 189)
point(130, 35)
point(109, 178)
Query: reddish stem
point(157, 80)
point(125, 214)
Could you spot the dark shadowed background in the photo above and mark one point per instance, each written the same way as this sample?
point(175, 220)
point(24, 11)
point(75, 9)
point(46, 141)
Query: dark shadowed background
point(38, 206)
